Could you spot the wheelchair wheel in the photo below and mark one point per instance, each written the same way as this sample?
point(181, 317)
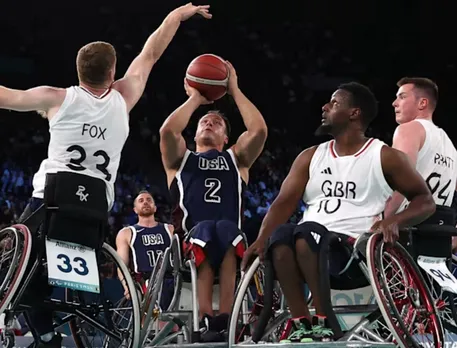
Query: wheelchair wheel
point(109, 324)
point(15, 248)
point(402, 296)
point(446, 304)
point(248, 304)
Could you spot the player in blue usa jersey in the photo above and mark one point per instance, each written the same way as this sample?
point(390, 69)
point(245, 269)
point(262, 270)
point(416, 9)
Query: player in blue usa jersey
point(207, 188)
point(140, 245)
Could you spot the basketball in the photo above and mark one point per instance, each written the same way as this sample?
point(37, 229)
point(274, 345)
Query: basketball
point(208, 74)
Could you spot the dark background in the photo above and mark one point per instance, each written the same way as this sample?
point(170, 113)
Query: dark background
point(290, 56)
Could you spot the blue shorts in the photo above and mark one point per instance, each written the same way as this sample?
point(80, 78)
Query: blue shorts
point(312, 233)
point(211, 239)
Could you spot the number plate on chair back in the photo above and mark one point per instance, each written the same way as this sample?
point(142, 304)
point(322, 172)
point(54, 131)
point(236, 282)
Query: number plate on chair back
point(437, 268)
point(72, 266)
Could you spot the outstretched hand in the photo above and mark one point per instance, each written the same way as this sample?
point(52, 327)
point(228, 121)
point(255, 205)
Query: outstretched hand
point(188, 10)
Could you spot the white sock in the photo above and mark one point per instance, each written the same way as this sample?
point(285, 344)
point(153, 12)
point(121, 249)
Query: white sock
point(47, 337)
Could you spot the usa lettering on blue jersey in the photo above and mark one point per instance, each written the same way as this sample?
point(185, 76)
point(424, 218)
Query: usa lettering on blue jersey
point(147, 244)
point(207, 186)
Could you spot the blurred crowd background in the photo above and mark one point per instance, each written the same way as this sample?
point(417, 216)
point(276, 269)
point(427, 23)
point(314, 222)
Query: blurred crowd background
point(289, 56)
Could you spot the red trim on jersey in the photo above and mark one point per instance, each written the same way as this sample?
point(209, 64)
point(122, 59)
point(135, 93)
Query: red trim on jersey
point(94, 95)
point(368, 143)
point(358, 153)
point(332, 151)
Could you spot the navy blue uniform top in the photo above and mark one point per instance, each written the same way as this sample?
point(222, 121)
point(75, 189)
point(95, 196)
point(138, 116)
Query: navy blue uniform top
point(147, 244)
point(207, 186)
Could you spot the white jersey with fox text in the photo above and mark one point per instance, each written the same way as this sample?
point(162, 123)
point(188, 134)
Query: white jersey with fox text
point(87, 135)
point(436, 163)
point(346, 194)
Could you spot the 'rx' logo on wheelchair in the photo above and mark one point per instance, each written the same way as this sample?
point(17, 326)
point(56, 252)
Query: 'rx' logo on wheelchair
point(82, 196)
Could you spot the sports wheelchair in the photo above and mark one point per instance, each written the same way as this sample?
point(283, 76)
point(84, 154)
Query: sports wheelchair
point(179, 323)
point(61, 244)
point(430, 246)
point(393, 303)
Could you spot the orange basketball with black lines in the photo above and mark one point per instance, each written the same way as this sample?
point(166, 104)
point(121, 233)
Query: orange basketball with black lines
point(208, 74)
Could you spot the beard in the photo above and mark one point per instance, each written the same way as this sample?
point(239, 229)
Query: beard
point(146, 212)
point(323, 129)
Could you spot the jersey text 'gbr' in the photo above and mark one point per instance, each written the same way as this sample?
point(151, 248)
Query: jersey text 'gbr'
point(207, 186)
point(346, 194)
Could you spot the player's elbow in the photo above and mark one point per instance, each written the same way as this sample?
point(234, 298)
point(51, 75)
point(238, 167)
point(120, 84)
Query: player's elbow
point(166, 131)
point(261, 133)
point(427, 204)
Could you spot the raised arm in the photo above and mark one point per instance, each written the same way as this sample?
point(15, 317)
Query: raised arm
point(172, 143)
point(284, 205)
point(41, 98)
point(134, 82)
point(408, 138)
point(250, 143)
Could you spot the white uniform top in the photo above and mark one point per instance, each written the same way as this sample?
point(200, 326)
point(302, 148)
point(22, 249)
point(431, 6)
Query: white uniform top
point(436, 163)
point(87, 135)
point(346, 194)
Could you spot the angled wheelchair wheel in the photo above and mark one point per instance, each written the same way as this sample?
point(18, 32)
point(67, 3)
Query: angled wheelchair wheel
point(105, 320)
point(257, 315)
point(402, 296)
point(15, 249)
point(446, 304)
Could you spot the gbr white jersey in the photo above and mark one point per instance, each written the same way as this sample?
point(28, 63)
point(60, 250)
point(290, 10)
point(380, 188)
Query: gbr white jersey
point(346, 194)
point(87, 135)
point(436, 163)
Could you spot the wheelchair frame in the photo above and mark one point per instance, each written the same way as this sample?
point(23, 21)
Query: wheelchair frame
point(32, 223)
point(355, 334)
point(172, 315)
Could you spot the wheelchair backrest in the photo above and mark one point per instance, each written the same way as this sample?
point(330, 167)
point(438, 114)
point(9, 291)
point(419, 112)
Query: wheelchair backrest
point(76, 209)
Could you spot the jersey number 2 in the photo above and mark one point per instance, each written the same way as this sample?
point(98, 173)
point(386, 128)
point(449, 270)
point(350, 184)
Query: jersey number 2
point(434, 183)
point(76, 163)
point(213, 185)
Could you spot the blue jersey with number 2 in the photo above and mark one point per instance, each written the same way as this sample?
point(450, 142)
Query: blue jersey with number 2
point(207, 186)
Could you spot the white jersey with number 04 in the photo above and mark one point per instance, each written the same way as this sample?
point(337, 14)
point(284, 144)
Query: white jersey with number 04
point(346, 194)
point(436, 163)
point(87, 135)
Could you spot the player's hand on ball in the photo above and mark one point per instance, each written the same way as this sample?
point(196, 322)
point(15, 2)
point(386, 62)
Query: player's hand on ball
point(194, 93)
point(233, 78)
point(188, 10)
